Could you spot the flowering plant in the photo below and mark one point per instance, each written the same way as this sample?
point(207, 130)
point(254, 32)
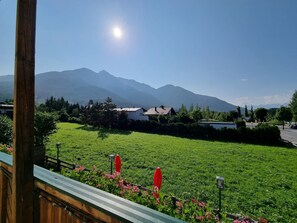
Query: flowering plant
point(191, 210)
point(6, 149)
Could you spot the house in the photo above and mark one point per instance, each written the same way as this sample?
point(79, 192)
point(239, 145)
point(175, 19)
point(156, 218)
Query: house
point(156, 111)
point(219, 125)
point(6, 110)
point(134, 113)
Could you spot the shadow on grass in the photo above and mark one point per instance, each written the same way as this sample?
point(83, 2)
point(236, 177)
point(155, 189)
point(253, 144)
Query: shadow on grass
point(104, 130)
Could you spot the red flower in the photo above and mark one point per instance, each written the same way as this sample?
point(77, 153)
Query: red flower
point(79, 168)
point(135, 189)
point(200, 218)
point(109, 176)
point(179, 204)
point(201, 204)
point(157, 201)
point(262, 220)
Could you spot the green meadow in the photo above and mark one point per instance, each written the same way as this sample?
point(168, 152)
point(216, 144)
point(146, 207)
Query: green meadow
point(260, 181)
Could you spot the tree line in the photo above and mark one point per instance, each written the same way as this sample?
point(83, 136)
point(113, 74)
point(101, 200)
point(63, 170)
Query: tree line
point(104, 115)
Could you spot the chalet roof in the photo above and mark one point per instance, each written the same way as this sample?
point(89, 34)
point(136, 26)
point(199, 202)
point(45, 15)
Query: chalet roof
point(128, 109)
point(159, 111)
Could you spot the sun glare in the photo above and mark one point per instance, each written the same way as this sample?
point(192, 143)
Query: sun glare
point(117, 32)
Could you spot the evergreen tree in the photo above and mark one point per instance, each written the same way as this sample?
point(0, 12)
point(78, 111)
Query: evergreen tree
point(183, 109)
point(191, 108)
point(246, 112)
point(183, 115)
point(238, 112)
point(252, 114)
point(109, 113)
point(100, 114)
point(206, 113)
point(293, 105)
point(232, 116)
point(91, 102)
point(196, 114)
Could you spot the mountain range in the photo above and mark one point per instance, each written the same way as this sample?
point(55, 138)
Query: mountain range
point(81, 85)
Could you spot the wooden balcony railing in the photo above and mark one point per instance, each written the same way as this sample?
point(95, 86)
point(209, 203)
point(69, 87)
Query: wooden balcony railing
point(60, 199)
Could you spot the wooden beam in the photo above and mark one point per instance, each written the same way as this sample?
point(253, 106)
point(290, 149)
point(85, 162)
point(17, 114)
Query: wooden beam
point(3, 197)
point(23, 116)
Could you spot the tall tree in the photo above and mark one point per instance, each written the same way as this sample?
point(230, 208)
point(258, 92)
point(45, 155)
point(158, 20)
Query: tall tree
point(183, 109)
point(238, 111)
point(183, 115)
point(91, 102)
point(246, 112)
point(196, 114)
point(293, 105)
point(222, 116)
point(261, 114)
point(191, 108)
point(252, 114)
point(109, 113)
point(100, 114)
point(284, 114)
point(232, 115)
point(206, 113)
point(271, 113)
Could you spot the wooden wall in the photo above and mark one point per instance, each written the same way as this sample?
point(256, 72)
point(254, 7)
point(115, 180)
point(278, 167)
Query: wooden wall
point(5, 193)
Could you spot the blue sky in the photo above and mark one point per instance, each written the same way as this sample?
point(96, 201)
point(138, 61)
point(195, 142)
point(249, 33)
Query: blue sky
point(241, 51)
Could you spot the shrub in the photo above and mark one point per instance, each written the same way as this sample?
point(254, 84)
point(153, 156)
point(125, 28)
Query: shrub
point(74, 120)
point(5, 130)
point(63, 116)
point(262, 134)
point(240, 123)
point(266, 134)
point(45, 125)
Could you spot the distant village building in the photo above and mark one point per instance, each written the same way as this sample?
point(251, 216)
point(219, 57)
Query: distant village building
point(219, 125)
point(156, 111)
point(134, 113)
point(6, 110)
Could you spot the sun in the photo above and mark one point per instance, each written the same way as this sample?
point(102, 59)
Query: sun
point(117, 32)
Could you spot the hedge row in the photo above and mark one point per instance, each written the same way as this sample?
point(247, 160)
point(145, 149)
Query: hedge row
point(261, 134)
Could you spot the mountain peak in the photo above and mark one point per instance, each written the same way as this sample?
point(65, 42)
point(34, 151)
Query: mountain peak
point(169, 86)
point(103, 72)
point(83, 69)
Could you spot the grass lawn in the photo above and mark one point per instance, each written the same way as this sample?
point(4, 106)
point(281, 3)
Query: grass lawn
point(260, 181)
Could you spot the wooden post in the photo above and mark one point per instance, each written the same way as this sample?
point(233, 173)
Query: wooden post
point(23, 115)
point(3, 197)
